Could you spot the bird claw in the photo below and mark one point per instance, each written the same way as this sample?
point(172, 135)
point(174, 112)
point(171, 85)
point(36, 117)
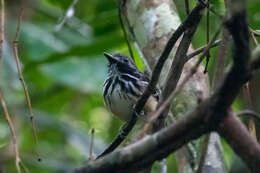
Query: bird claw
point(136, 113)
point(141, 113)
point(122, 133)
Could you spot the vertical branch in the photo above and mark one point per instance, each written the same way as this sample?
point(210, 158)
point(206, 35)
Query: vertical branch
point(187, 7)
point(20, 74)
point(124, 30)
point(248, 100)
point(13, 134)
point(253, 37)
point(91, 144)
point(2, 30)
point(207, 37)
point(3, 104)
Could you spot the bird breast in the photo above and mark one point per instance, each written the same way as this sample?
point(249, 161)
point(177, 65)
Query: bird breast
point(120, 103)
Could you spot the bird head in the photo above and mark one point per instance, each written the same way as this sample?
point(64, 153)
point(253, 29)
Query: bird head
point(120, 62)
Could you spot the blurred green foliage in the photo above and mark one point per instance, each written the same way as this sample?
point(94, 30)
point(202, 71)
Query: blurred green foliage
point(64, 67)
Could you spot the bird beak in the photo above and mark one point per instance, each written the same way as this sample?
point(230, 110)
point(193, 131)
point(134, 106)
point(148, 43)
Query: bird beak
point(111, 58)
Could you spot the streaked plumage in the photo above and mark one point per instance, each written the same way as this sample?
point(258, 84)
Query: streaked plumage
point(123, 87)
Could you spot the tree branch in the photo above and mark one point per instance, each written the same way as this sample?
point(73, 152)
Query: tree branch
point(201, 49)
point(238, 137)
point(162, 143)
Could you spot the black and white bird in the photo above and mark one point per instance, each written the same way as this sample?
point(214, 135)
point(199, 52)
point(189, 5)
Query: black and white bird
point(123, 87)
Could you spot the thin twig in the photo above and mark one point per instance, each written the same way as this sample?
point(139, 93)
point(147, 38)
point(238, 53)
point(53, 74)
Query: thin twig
point(201, 49)
point(256, 32)
point(249, 104)
point(212, 10)
point(13, 133)
point(68, 14)
point(207, 39)
point(189, 22)
point(249, 113)
point(124, 30)
point(3, 104)
point(24, 167)
point(21, 78)
point(6, 113)
point(91, 144)
point(187, 7)
point(2, 30)
point(252, 33)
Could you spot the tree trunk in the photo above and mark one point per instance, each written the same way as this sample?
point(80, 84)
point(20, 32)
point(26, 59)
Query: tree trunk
point(150, 24)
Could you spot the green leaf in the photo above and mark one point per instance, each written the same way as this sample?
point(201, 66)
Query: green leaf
point(86, 75)
point(40, 40)
point(110, 41)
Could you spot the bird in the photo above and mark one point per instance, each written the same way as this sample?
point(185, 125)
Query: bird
point(124, 85)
